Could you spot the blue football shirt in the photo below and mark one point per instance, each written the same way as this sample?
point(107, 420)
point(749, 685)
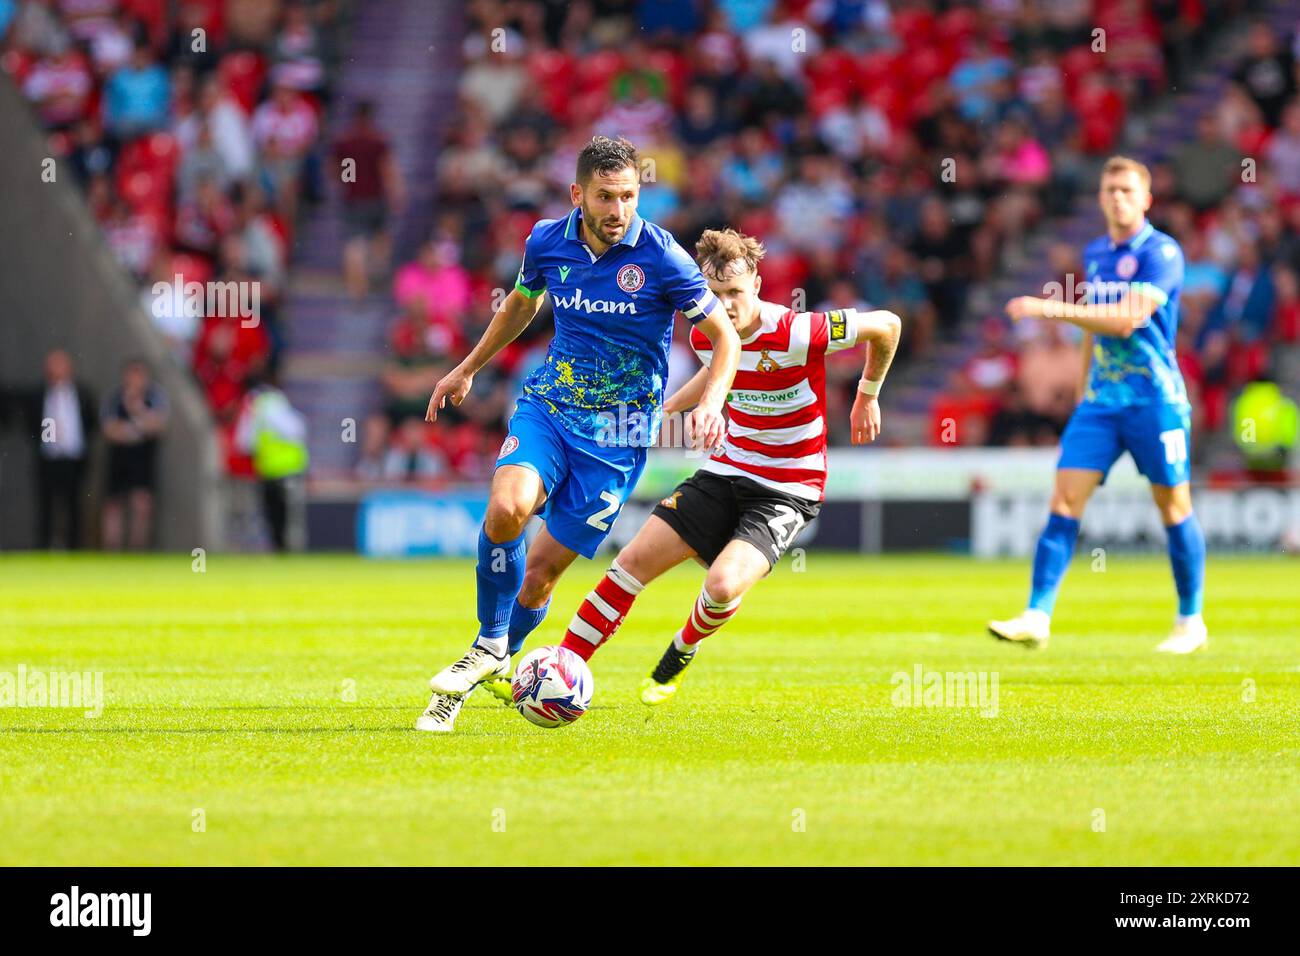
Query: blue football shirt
point(1143, 368)
point(613, 322)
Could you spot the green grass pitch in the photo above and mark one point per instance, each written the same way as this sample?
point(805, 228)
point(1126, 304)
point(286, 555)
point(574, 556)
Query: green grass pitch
point(261, 713)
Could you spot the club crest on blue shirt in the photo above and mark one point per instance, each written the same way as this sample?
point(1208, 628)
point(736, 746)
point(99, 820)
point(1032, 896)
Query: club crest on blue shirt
point(631, 278)
point(1127, 266)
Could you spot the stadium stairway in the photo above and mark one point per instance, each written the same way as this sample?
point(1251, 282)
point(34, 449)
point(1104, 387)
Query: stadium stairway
point(403, 55)
point(1150, 136)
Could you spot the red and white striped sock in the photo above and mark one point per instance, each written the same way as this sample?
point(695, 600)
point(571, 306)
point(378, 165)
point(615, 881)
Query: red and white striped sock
point(602, 612)
point(706, 617)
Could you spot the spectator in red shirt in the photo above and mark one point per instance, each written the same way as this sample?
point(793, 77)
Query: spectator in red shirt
point(1101, 110)
point(228, 354)
point(372, 190)
point(1286, 323)
point(993, 368)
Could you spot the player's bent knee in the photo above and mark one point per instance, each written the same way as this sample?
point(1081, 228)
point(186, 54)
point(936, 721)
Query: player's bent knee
point(1175, 503)
point(634, 559)
point(1069, 502)
point(505, 519)
point(724, 587)
point(1066, 507)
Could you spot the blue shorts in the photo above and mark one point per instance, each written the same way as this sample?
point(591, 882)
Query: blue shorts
point(1159, 437)
point(586, 483)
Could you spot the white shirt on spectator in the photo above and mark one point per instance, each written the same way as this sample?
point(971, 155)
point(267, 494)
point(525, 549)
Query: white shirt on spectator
point(68, 440)
point(170, 317)
point(852, 133)
point(776, 42)
point(111, 49)
point(811, 215)
point(493, 87)
point(231, 137)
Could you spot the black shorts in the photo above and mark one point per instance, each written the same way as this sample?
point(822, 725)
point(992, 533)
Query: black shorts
point(130, 468)
point(709, 511)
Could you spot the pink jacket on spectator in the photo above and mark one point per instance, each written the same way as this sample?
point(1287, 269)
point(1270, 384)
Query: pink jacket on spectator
point(445, 291)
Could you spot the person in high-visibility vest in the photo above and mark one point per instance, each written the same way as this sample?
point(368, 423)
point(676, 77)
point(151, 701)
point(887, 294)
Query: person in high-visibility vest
point(1265, 424)
point(275, 434)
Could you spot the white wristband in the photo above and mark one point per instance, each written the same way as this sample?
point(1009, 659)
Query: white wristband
point(868, 387)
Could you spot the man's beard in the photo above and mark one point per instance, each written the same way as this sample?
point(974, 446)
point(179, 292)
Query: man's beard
point(594, 225)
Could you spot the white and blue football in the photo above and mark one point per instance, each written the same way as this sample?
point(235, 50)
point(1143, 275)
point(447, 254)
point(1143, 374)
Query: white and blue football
point(552, 686)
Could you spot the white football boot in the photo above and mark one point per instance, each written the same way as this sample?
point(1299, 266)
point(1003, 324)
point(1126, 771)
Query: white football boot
point(440, 715)
point(475, 667)
point(1030, 629)
point(1187, 636)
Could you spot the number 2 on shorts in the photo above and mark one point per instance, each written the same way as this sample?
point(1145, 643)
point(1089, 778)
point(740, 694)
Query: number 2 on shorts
point(597, 520)
point(785, 525)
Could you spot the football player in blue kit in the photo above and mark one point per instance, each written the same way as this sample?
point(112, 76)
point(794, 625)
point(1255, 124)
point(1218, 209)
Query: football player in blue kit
point(1134, 400)
point(577, 440)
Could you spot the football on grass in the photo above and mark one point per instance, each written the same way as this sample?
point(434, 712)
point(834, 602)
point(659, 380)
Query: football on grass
point(552, 686)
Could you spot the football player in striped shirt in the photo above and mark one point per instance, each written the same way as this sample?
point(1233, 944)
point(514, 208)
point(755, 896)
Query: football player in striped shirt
point(744, 507)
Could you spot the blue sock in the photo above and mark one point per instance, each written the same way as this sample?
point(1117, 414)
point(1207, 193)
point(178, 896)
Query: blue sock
point(1055, 548)
point(523, 621)
point(500, 576)
point(1187, 557)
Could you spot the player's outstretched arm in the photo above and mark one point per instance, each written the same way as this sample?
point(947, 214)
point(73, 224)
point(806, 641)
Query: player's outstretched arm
point(511, 319)
point(881, 331)
point(1119, 319)
point(705, 424)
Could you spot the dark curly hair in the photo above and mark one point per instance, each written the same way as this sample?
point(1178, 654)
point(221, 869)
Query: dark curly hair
point(605, 155)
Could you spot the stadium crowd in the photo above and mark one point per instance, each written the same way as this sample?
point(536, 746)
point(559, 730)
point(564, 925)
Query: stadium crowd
point(193, 129)
point(1231, 196)
point(885, 154)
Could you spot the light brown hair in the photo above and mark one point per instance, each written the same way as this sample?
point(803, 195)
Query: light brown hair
point(1123, 164)
point(719, 250)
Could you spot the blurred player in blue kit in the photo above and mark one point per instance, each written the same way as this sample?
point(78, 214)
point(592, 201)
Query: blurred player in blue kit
point(1134, 401)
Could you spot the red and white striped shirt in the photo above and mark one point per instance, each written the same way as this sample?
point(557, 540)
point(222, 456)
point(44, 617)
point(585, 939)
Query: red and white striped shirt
point(776, 409)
